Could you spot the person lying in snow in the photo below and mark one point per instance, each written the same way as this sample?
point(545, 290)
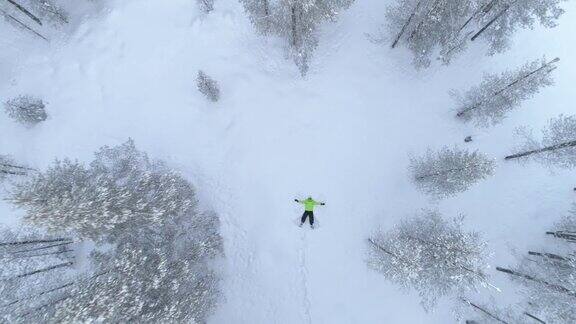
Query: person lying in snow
point(309, 205)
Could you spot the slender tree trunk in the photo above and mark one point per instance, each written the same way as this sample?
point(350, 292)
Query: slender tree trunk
point(26, 12)
point(483, 9)
point(53, 289)
point(421, 23)
point(488, 7)
point(534, 318)
point(548, 284)
point(44, 254)
point(23, 25)
point(439, 173)
point(508, 86)
point(267, 14)
point(484, 311)
point(57, 301)
point(483, 29)
point(35, 241)
point(13, 172)
point(542, 150)
point(42, 248)
point(39, 294)
point(294, 27)
point(403, 30)
point(570, 236)
point(549, 256)
point(528, 75)
point(16, 166)
point(50, 268)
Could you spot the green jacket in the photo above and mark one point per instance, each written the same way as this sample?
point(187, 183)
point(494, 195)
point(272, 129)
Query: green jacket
point(309, 204)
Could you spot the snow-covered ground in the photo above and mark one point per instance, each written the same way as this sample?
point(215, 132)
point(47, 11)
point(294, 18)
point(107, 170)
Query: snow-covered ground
point(342, 135)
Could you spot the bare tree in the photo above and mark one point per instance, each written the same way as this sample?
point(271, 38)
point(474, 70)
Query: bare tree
point(434, 256)
point(26, 110)
point(557, 147)
point(488, 103)
point(208, 86)
point(449, 171)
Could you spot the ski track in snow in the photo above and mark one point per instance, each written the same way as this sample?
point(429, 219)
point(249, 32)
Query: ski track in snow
point(342, 135)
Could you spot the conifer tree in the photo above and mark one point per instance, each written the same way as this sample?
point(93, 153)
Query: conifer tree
point(434, 256)
point(26, 110)
point(488, 103)
point(557, 147)
point(296, 21)
point(449, 171)
point(208, 86)
point(447, 27)
point(206, 5)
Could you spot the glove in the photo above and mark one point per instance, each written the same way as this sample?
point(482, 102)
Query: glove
point(322, 204)
point(296, 200)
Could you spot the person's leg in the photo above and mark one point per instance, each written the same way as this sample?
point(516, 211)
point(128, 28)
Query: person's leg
point(303, 219)
point(311, 218)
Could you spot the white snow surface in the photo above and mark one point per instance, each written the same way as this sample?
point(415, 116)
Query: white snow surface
point(343, 134)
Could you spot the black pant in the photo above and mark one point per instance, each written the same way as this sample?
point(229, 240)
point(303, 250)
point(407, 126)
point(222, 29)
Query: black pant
point(310, 216)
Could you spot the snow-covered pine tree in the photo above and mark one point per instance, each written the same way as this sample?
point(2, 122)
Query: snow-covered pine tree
point(296, 21)
point(447, 27)
point(206, 5)
point(548, 282)
point(558, 145)
point(425, 25)
point(486, 312)
point(505, 17)
point(121, 189)
point(488, 103)
point(208, 86)
point(449, 171)
point(34, 272)
point(260, 14)
point(434, 256)
point(157, 246)
point(26, 109)
point(155, 274)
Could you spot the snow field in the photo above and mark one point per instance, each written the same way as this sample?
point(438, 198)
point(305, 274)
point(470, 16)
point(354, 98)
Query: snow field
point(342, 135)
